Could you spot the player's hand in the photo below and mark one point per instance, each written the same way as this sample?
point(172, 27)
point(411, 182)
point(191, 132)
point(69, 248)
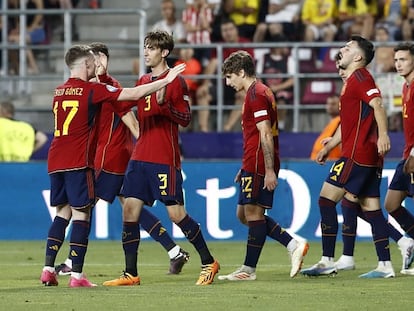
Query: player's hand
point(383, 144)
point(322, 156)
point(160, 95)
point(325, 141)
point(174, 72)
point(409, 165)
point(237, 178)
point(270, 180)
point(101, 63)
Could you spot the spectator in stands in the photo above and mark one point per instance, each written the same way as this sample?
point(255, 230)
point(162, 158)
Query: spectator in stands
point(197, 18)
point(407, 27)
point(18, 139)
point(169, 22)
point(357, 17)
point(218, 15)
point(207, 90)
point(384, 55)
point(392, 13)
point(54, 23)
point(318, 17)
point(193, 67)
point(245, 14)
point(282, 18)
point(276, 62)
point(35, 34)
point(332, 109)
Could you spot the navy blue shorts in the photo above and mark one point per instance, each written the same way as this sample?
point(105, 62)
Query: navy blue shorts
point(252, 192)
point(401, 181)
point(108, 186)
point(361, 181)
point(150, 181)
point(74, 187)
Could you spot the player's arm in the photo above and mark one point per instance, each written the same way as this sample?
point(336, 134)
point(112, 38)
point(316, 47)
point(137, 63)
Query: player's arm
point(143, 90)
point(333, 141)
point(409, 163)
point(177, 108)
point(40, 140)
point(267, 144)
point(383, 144)
point(132, 123)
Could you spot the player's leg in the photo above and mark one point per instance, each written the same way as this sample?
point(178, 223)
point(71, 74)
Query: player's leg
point(55, 238)
point(81, 195)
point(380, 234)
point(329, 196)
point(401, 185)
point(297, 249)
point(134, 188)
point(130, 243)
point(257, 233)
point(193, 233)
point(393, 204)
point(178, 257)
point(350, 210)
point(78, 246)
point(405, 244)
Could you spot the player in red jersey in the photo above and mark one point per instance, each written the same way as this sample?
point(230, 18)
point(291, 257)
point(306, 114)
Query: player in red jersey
point(154, 171)
point(118, 131)
point(355, 178)
point(76, 104)
point(260, 167)
point(402, 184)
point(349, 227)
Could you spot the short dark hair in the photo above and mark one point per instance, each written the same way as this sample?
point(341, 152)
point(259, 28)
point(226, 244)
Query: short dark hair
point(76, 52)
point(7, 109)
point(366, 46)
point(405, 46)
point(237, 61)
point(159, 39)
point(99, 47)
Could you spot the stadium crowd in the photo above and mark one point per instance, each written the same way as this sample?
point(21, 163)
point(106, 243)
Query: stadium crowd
point(199, 22)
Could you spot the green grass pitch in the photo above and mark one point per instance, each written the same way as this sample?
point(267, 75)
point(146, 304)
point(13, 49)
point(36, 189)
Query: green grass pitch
point(21, 263)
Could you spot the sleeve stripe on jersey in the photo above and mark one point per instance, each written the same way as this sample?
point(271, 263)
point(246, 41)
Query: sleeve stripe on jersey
point(260, 113)
point(185, 116)
point(372, 91)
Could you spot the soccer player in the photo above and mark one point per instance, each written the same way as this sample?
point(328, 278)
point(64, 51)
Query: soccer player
point(260, 167)
point(114, 148)
point(402, 183)
point(76, 104)
point(154, 171)
point(349, 227)
point(355, 178)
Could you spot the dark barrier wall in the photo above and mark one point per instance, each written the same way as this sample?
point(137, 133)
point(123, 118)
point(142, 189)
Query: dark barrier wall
point(211, 198)
point(230, 145)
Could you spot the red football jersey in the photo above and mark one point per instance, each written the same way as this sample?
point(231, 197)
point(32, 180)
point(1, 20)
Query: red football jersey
point(259, 105)
point(115, 141)
point(158, 141)
point(358, 126)
point(75, 106)
point(408, 117)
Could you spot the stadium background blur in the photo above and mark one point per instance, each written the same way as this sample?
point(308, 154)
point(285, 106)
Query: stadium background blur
point(206, 154)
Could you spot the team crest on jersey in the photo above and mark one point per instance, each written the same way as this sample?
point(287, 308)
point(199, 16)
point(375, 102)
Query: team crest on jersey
point(111, 88)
